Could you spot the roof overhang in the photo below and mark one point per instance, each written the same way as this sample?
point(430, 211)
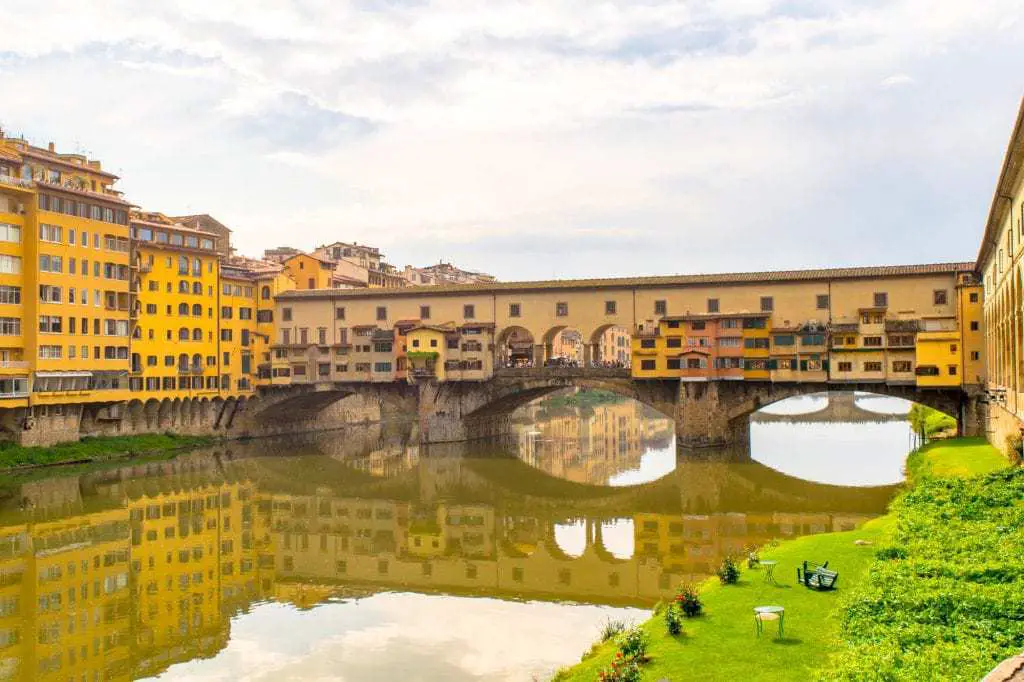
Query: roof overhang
point(1009, 176)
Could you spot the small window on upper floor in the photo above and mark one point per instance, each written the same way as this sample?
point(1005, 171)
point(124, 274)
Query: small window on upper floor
point(382, 312)
point(609, 308)
point(562, 309)
point(515, 309)
point(973, 297)
point(469, 311)
point(881, 299)
point(661, 307)
point(822, 302)
point(940, 296)
point(286, 314)
point(767, 304)
point(712, 305)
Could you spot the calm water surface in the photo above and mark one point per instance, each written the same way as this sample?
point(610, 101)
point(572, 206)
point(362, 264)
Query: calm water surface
point(356, 555)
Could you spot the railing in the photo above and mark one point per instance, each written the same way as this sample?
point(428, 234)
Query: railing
point(17, 182)
point(526, 372)
point(14, 394)
point(13, 364)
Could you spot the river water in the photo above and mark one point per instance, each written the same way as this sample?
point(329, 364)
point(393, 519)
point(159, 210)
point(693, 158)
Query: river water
point(356, 555)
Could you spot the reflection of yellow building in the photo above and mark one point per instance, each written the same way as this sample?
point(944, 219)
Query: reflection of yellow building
point(79, 598)
point(592, 446)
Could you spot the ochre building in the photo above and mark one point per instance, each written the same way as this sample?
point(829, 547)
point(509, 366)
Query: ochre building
point(914, 325)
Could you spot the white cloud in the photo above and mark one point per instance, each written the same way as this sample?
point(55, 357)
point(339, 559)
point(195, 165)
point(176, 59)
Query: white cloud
point(897, 80)
point(395, 636)
point(438, 127)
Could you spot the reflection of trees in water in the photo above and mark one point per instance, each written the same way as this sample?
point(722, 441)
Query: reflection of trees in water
point(302, 527)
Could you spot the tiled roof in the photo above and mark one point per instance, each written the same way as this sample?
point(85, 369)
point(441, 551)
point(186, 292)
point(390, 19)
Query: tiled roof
point(8, 153)
point(62, 160)
point(646, 282)
point(201, 218)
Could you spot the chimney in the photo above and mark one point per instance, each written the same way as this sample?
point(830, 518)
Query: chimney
point(50, 147)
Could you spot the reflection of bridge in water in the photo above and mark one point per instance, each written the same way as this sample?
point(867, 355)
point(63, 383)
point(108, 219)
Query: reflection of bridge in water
point(841, 407)
point(364, 511)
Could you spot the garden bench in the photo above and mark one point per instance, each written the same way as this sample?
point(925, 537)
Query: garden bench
point(817, 577)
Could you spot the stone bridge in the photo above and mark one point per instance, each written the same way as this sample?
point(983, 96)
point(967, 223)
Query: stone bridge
point(706, 414)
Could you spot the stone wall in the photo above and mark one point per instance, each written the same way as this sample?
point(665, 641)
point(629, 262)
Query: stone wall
point(1001, 424)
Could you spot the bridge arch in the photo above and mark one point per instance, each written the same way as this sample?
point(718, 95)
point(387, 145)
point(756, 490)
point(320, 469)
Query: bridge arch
point(566, 344)
point(610, 345)
point(513, 389)
point(516, 346)
point(947, 401)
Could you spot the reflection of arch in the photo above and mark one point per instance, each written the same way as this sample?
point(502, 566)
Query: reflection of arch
point(570, 538)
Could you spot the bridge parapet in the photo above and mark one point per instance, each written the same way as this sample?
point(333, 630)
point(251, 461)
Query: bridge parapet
point(562, 373)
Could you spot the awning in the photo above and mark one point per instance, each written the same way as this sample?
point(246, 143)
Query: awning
point(62, 375)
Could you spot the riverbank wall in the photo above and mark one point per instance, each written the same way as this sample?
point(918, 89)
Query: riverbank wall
point(246, 416)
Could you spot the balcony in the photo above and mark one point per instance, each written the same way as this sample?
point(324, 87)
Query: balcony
point(12, 181)
point(13, 364)
point(194, 369)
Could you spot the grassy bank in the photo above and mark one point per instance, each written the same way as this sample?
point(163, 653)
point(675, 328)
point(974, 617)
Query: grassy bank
point(96, 449)
point(944, 599)
point(828, 634)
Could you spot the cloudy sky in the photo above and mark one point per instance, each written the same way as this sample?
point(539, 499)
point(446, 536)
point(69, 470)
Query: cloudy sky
point(540, 138)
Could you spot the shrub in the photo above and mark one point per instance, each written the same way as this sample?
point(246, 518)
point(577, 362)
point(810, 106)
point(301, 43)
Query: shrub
point(729, 571)
point(1015, 447)
point(622, 669)
point(890, 553)
point(633, 643)
point(611, 629)
point(688, 600)
point(674, 620)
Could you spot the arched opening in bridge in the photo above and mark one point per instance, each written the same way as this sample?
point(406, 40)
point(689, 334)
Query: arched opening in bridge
point(593, 436)
point(844, 437)
point(565, 347)
point(610, 346)
point(516, 348)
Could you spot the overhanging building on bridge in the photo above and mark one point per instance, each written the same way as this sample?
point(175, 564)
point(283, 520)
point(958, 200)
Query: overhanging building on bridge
point(916, 325)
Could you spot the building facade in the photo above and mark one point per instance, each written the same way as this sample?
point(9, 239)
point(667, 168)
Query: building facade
point(1001, 266)
point(904, 325)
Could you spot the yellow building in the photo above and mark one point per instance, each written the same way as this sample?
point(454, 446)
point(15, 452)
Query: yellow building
point(310, 272)
point(64, 241)
point(265, 280)
point(174, 341)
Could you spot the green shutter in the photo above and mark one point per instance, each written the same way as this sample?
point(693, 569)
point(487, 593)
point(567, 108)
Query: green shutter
point(773, 364)
point(824, 365)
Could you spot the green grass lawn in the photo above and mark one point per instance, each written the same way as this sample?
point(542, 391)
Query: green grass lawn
point(960, 457)
point(722, 644)
point(96, 449)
